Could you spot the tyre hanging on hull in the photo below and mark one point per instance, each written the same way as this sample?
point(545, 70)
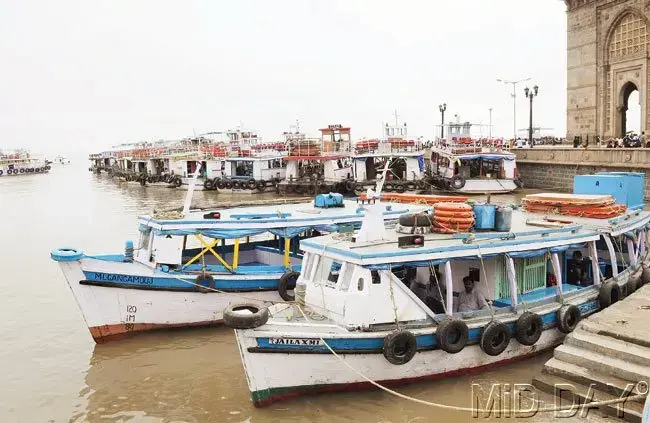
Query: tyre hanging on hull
point(452, 335)
point(528, 328)
point(494, 338)
point(568, 317)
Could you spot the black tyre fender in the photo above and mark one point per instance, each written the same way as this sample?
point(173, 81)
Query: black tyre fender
point(310, 189)
point(495, 338)
point(234, 318)
point(260, 185)
point(287, 283)
point(298, 189)
point(236, 185)
point(609, 293)
point(415, 219)
point(208, 183)
point(228, 184)
point(221, 184)
point(452, 335)
point(645, 276)
point(48, 167)
point(528, 328)
point(205, 283)
point(633, 282)
point(411, 186)
point(400, 188)
point(143, 181)
point(349, 185)
point(568, 317)
point(399, 347)
point(38, 170)
point(251, 184)
point(0, 172)
point(150, 179)
point(177, 182)
point(457, 182)
point(389, 187)
point(22, 170)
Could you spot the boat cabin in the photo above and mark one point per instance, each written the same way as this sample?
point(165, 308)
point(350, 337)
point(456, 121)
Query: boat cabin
point(419, 278)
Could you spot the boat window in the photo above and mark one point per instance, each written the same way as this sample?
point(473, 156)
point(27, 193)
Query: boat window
point(376, 279)
point(307, 266)
point(327, 271)
point(360, 284)
point(346, 276)
point(144, 240)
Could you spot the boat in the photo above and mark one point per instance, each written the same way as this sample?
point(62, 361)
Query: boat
point(21, 162)
point(319, 165)
point(406, 155)
point(188, 266)
point(470, 165)
point(384, 307)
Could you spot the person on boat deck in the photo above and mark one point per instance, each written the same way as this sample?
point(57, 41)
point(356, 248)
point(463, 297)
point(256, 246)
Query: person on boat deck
point(576, 272)
point(437, 293)
point(471, 298)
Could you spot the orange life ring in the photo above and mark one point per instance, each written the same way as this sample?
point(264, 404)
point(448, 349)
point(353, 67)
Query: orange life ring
point(455, 220)
point(456, 207)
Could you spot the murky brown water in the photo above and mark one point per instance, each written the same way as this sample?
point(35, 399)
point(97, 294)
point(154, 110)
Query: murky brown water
point(51, 370)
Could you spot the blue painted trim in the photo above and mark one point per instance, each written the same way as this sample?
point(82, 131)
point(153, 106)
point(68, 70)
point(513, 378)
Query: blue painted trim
point(259, 215)
point(108, 257)
point(155, 282)
point(66, 254)
point(420, 251)
point(427, 341)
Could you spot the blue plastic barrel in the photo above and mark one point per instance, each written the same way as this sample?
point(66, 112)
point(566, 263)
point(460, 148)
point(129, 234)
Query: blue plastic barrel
point(484, 216)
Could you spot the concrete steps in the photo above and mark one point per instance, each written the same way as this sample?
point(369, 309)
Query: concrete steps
point(605, 358)
point(579, 394)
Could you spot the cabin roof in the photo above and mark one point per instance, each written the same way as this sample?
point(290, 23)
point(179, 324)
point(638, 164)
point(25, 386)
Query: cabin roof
point(525, 235)
point(274, 216)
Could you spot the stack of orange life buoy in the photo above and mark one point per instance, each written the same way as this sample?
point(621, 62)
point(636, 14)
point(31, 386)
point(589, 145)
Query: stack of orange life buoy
point(452, 218)
point(596, 207)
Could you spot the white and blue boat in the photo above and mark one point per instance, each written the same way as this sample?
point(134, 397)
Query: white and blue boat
point(387, 302)
point(171, 277)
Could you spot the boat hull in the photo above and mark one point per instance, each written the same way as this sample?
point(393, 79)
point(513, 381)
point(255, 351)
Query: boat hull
point(114, 310)
point(269, 381)
point(483, 186)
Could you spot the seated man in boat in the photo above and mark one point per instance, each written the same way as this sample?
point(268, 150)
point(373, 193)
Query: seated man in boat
point(471, 298)
point(576, 271)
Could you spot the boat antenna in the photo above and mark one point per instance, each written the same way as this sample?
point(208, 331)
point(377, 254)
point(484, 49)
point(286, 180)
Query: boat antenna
point(190, 189)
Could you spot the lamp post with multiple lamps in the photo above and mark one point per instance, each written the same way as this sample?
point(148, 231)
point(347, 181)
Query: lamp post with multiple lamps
point(530, 94)
point(514, 103)
point(442, 107)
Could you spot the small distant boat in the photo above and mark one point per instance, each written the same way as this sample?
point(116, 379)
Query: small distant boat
point(61, 160)
point(405, 304)
point(21, 162)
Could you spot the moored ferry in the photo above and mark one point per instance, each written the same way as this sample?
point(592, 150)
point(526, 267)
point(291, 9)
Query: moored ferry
point(470, 165)
point(427, 301)
point(187, 267)
point(21, 162)
point(319, 165)
point(406, 156)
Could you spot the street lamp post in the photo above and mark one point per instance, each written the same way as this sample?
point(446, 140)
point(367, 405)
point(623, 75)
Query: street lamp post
point(442, 107)
point(514, 103)
point(530, 94)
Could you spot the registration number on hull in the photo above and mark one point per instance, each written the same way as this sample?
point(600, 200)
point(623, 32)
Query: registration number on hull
point(295, 341)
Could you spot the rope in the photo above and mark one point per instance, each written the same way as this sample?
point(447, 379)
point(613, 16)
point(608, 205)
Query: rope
point(467, 409)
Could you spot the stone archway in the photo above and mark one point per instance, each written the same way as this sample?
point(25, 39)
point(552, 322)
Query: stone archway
point(623, 125)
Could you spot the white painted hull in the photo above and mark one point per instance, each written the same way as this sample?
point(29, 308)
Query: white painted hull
point(113, 312)
point(271, 379)
point(482, 186)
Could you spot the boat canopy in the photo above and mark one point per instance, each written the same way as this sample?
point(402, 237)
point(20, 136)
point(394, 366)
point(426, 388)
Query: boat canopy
point(284, 232)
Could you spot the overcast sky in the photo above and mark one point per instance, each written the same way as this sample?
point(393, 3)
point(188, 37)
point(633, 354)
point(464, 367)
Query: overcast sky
point(79, 76)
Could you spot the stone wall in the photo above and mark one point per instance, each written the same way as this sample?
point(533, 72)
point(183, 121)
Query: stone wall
point(554, 169)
